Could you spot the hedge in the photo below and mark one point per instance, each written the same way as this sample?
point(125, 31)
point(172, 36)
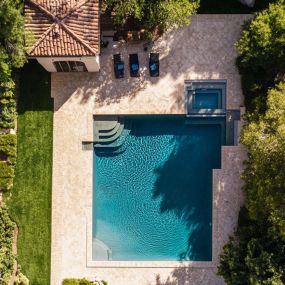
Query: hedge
point(7, 258)
point(8, 153)
point(8, 144)
point(73, 281)
point(8, 108)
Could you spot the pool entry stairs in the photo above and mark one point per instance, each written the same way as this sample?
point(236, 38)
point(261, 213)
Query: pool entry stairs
point(110, 134)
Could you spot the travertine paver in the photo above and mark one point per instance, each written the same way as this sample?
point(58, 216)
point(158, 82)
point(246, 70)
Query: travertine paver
point(202, 51)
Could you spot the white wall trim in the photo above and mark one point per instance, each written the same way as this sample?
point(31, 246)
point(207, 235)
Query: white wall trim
point(92, 63)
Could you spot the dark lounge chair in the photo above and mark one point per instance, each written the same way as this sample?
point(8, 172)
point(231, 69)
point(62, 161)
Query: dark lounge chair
point(119, 66)
point(134, 65)
point(154, 64)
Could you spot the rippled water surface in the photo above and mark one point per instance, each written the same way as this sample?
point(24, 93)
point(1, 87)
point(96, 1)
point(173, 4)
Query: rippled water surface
point(154, 200)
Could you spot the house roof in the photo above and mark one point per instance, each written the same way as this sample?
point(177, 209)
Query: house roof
point(63, 27)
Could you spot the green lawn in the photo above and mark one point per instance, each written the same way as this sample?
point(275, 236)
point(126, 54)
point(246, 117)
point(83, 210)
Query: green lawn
point(230, 7)
point(30, 202)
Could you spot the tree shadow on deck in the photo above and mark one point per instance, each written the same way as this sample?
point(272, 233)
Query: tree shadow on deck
point(184, 54)
point(191, 276)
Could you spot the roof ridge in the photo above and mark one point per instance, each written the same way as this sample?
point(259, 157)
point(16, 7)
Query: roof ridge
point(60, 17)
point(50, 21)
point(49, 13)
point(72, 10)
point(67, 29)
point(36, 44)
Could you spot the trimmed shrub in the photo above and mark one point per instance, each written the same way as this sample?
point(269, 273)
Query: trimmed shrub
point(7, 258)
point(74, 281)
point(84, 282)
point(5, 183)
point(21, 279)
point(8, 112)
point(8, 143)
point(8, 115)
point(6, 170)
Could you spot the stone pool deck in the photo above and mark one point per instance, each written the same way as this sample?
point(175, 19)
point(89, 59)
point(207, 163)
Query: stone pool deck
point(205, 50)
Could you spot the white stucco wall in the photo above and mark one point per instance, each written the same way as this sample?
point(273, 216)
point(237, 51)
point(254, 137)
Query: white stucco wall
point(92, 63)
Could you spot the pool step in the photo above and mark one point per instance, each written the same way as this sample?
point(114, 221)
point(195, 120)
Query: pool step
point(104, 123)
point(112, 139)
point(105, 127)
point(111, 136)
point(107, 131)
point(108, 134)
point(109, 151)
point(100, 251)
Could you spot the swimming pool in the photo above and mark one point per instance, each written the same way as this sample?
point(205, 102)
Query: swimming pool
point(153, 200)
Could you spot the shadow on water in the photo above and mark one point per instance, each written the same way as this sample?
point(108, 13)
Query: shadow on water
point(184, 185)
point(185, 53)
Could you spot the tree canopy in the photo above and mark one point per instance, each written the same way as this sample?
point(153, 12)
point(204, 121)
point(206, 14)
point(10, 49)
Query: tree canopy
point(152, 14)
point(264, 173)
point(12, 45)
point(12, 55)
point(262, 54)
point(256, 254)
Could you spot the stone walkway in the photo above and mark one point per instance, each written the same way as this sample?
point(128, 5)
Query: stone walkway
point(205, 50)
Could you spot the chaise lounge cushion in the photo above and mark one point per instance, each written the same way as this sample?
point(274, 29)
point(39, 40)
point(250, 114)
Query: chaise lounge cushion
point(134, 65)
point(154, 64)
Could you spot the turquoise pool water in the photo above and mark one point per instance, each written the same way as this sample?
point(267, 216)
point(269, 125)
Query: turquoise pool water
point(154, 200)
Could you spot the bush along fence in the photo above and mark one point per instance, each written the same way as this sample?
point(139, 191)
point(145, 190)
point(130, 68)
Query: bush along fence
point(7, 256)
point(9, 270)
point(84, 281)
point(8, 153)
point(8, 140)
point(12, 54)
point(7, 160)
point(8, 111)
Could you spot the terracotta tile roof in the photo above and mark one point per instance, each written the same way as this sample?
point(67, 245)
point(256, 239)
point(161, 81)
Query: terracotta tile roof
point(63, 27)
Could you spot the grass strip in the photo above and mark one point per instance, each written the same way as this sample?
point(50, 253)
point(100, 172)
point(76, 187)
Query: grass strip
point(30, 200)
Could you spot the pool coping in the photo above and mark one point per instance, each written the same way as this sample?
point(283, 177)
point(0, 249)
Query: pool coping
point(189, 85)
